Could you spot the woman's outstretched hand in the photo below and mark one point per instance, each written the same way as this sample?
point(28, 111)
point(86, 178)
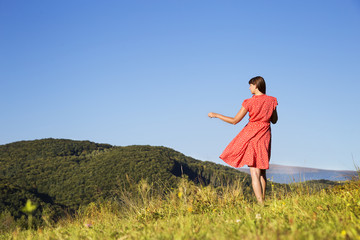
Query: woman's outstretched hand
point(212, 115)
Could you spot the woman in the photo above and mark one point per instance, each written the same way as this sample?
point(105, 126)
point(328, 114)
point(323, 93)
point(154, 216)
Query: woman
point(252, 146)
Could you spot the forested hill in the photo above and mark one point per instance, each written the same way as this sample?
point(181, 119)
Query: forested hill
point(66, 173)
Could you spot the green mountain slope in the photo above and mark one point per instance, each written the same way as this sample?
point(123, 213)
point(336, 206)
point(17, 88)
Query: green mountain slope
point(66, 173)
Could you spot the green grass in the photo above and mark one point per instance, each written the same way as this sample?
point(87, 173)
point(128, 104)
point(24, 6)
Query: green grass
point(193, 212)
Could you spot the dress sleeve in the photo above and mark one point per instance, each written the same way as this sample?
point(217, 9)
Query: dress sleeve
point(275, 103)
point(245, 104)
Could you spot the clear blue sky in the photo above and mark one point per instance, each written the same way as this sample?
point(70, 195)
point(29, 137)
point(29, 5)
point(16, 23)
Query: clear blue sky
point(148, 72)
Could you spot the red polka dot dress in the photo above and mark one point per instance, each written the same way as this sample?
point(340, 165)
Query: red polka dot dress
point(252, 146)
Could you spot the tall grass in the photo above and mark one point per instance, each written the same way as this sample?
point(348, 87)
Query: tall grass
point(195, 212)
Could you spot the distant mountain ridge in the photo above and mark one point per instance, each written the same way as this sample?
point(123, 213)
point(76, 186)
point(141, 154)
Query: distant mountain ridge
point(289, 174)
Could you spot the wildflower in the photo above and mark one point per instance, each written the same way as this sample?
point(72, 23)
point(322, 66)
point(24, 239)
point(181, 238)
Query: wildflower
point(29, 207)
point(258, 216)
point(180, 194)
point(190, 209)
point(343, 233)
point(319, 208)
point(88, 225)
point(238, 220)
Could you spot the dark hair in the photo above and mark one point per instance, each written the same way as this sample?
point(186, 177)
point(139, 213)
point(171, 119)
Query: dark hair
point(259, 82)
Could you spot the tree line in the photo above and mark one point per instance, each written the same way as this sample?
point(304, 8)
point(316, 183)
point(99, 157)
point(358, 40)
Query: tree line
point(61, 174)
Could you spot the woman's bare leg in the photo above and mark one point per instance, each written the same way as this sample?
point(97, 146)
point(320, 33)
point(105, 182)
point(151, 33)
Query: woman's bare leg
point(256, 183)
point(263, 182)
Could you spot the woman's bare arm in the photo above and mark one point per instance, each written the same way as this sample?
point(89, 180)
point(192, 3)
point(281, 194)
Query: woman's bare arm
point(239, 116)
point(274, 117)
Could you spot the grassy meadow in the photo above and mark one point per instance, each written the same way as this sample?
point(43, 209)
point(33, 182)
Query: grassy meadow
point(194, 212)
